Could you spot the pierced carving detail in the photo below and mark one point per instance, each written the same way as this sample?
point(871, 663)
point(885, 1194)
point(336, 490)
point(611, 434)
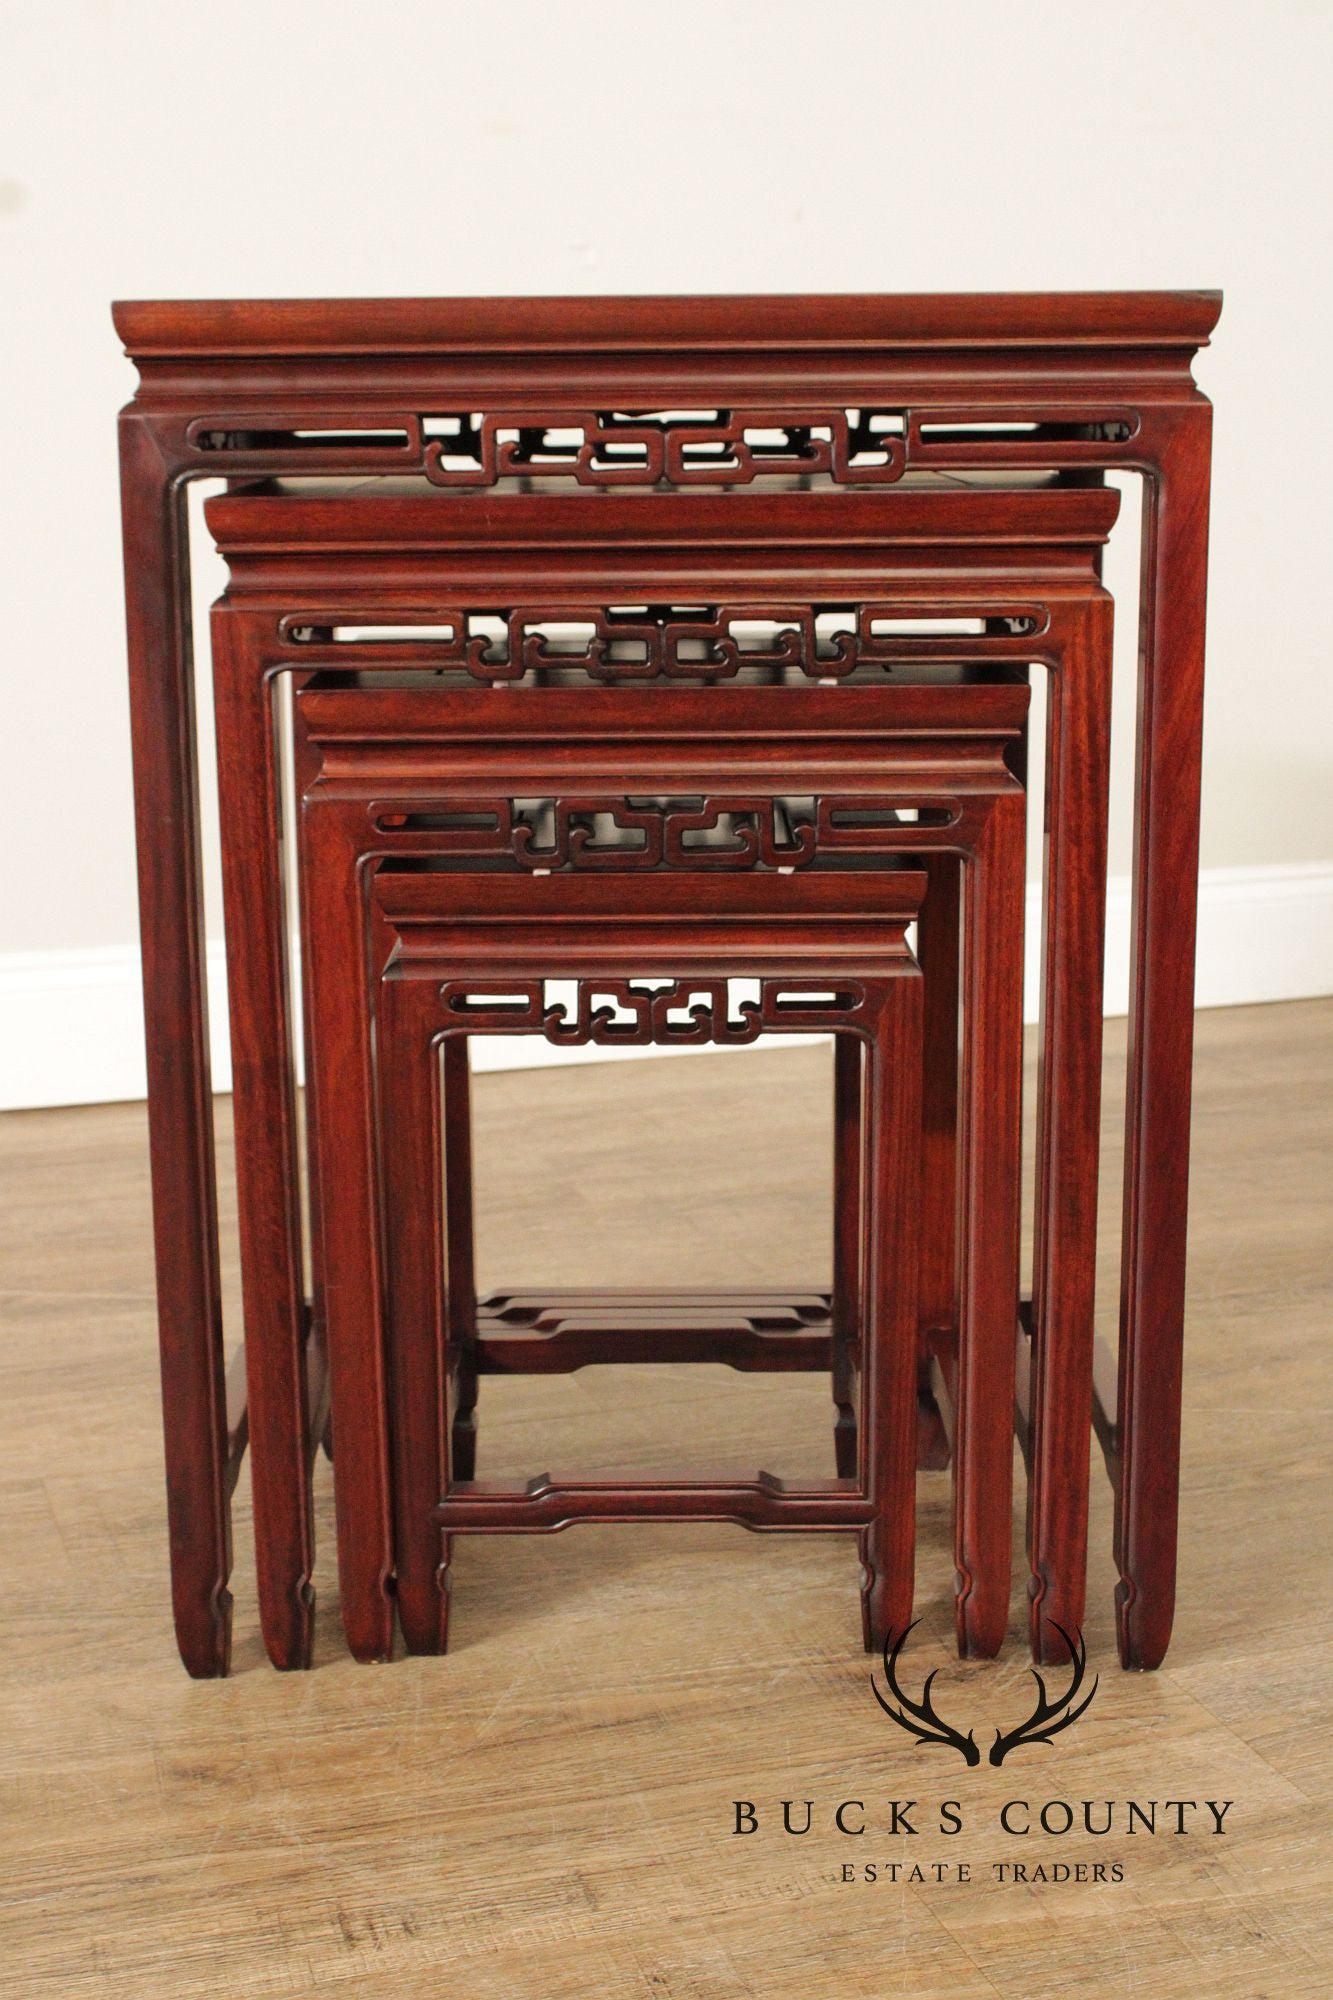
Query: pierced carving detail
point(668, 447)
point(701, 643)
point(621, 1012)
point(746, 832)
point(672, 447)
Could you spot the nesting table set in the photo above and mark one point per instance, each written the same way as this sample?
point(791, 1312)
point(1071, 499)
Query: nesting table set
point(656, 671)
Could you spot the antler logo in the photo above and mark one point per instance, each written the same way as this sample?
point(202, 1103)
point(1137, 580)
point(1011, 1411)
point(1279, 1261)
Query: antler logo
point(920, 1718)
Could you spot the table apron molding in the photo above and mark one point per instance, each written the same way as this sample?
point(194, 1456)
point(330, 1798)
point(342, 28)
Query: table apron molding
point(663, 322)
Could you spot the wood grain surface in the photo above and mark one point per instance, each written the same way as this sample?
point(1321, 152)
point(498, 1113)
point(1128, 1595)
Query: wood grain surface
point(547, 1811)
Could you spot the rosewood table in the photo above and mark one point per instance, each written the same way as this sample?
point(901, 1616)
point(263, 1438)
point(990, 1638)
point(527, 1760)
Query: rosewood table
point(387, 768)
point(465, 955)
point(844, 391)
point(408, 584)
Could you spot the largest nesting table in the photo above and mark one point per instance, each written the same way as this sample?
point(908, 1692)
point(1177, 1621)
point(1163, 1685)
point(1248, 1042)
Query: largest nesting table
point(683, 393)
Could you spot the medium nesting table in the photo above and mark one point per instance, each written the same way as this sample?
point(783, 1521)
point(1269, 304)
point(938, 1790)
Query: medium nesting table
point(840, 596)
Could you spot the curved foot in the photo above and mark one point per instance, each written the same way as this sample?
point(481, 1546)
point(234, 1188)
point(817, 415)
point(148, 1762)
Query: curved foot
point(886, 1599)
point(980, 1625)
point(203, 1634)
point(1049, 1609)
point(423, 1607)
point(369, 1625)
point(1142, 1637)
point(289, 1640)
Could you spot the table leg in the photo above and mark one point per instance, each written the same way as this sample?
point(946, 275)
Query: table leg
point(892, 1212)
point(461, 1280)
point(416, 1349)
point(1078, 737)
point(989, 1141)
point(267, 1169)
point(938, 952)
point(1173, 592)
point(344, 1168)
point(180, 1112)
point(846, 1304)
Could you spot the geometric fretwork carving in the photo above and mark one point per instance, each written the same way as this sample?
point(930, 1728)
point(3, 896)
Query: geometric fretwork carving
point(692, 832)
point(637, 1011)
point(647, 642)
point(676, 447)
point(670, 447)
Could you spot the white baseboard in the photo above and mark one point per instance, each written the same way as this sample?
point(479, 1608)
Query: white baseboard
point(71, 1023)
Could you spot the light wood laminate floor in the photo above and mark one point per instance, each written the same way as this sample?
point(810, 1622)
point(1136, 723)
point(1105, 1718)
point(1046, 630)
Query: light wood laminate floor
point(548, 1811)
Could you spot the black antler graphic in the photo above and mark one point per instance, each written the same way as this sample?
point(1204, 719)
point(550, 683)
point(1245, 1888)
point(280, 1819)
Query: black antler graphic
point(927, 1727)
point(1048, 1717)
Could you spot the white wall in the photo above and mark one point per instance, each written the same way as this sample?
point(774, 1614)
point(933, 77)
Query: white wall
point(154, 149)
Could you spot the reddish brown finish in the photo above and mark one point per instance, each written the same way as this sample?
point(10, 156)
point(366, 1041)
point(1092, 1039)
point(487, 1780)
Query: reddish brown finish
point(419, 1323)
point(479, 935)
point(1078, 746)
point(1067, 526)
point(227, 387)
point(800, 327)
point(938, 949)
point(337, 526)
point(1173, 591)
point(348, 1249)
point(460, 1293)
point(847, 1274)
point(380, 754)
point(180, 1110)
point(1051, 586)
point(556, 1331)
point(268, 1186)
point(989, 1165)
